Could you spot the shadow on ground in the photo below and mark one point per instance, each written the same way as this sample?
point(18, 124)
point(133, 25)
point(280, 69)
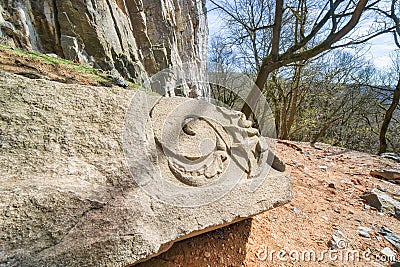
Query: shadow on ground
point(221, 247)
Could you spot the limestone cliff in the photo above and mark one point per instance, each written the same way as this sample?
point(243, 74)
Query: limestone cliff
point(135, 37)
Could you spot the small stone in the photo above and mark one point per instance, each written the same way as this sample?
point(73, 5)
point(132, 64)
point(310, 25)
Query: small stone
point(296, 210)
point(385, 230)
point(393, 238)
point(332, 185)
point(367, 207)
point(323, 168)
point(380, 200)
point(363, 234)
point(120, 82)
point(345, 181)
point(388, 252)
point(392, 156)
point(397, 212)
point(391, 175)
point(339, 233)
point(325, 218)
point(207, 254)
point(336, 242)
point(298, 165)
point(332, 244)
point(382, 188)
point(364, 231)
point(117, 78)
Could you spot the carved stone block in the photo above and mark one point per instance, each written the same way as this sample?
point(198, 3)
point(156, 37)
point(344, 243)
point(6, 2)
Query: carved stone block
point(110, 177)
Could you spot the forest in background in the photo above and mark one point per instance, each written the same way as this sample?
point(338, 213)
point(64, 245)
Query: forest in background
point(307, 57)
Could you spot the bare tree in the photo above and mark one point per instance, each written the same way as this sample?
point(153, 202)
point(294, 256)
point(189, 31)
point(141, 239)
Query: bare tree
point(226, 59)
point(317, 95)
point(394, 16)
point(299, 30)
point(394, 103)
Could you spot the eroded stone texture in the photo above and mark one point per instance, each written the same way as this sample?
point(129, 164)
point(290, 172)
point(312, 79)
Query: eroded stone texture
point(135, 37)
point(69, 193)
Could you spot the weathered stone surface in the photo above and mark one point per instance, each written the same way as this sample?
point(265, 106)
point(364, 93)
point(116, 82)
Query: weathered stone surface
point(135, 37)
point(392, 156)
point(381, 200)
point(70, 196)
point(390, 175)
point(393, 238)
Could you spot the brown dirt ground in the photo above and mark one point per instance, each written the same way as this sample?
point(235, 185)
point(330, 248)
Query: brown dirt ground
point(305, 224)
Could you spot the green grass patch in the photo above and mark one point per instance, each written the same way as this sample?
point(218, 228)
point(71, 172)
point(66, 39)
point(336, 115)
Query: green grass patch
point(95, 74)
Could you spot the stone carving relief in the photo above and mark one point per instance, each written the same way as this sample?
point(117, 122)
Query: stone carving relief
point(198, 146)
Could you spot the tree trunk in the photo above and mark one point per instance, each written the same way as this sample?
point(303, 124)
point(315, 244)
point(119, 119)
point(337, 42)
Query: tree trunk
point(388, 118)
point(275, 61)
point(283, 132)
point(267, 65)
point(294, 102)
point(252, 99)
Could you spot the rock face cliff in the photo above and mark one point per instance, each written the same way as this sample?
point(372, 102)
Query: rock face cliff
point(135, 37)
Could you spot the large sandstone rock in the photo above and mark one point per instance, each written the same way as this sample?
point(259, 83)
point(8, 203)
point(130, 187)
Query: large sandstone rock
point(135, 37)
point(100, 176)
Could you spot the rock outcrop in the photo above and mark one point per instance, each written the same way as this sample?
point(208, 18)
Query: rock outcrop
point(92, 177)
point(390, 175)
point(135, 37)
point(382, 201)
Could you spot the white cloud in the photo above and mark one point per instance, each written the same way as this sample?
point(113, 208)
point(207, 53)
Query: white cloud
point(381, 48)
